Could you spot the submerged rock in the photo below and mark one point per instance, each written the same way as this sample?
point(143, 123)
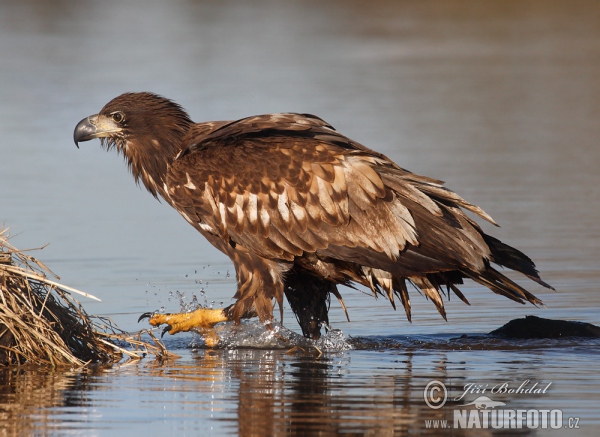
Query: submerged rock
point(536, 327)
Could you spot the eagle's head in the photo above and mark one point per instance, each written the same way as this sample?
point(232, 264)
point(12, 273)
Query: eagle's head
point(146, 128)
point(130, 119)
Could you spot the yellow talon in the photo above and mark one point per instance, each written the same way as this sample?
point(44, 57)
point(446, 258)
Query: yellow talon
point(202, 320)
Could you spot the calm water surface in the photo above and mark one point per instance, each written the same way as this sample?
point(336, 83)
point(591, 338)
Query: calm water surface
point(498, 98)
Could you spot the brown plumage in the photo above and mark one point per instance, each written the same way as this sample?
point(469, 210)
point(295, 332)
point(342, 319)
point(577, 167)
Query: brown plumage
point(299, 208)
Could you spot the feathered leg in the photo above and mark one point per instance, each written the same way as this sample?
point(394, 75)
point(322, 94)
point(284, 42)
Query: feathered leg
point(309, 299)
point(259, 282)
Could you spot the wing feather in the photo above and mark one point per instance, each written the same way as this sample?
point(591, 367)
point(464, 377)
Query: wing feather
point(288, 185)
point(288, 188)
point(431, 292)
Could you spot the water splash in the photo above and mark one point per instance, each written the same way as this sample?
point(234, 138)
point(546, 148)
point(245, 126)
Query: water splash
point(254, 335)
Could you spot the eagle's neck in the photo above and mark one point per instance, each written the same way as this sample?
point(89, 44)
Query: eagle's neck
point(151, 168)
point(158, 152)
point(149, 159)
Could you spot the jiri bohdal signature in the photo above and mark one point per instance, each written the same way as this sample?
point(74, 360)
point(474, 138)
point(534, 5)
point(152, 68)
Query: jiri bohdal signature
point(504, 387)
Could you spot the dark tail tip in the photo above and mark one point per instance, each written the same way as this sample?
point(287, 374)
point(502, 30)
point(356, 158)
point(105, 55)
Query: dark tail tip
point(514, 259)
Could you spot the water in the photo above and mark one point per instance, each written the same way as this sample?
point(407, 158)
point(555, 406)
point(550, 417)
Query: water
point(500, 99)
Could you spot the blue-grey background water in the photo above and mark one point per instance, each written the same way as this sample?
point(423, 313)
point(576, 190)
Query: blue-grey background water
point(500, 99)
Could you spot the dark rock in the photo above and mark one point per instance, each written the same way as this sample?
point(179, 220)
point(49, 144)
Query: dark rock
point(536, 327)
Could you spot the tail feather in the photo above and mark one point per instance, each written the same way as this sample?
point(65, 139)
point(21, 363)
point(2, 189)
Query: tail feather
point(431, 285)
point(402, 292)
point(434, 285)
point(502, 285)
point(456, 291)
point(431, 291)
point(514, 259)
point(337, 294)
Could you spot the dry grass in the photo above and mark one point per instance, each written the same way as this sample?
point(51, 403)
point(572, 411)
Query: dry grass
point(41, 323)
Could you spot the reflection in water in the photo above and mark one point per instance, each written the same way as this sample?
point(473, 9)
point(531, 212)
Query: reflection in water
point(277, 394)
point(376, 389)
point(28, 397)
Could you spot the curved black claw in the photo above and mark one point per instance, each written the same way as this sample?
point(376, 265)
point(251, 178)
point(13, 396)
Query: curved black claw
point(165, 330)
point(145, 316)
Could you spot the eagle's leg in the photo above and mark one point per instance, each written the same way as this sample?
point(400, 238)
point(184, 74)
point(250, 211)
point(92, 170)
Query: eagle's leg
point(201, 320)
point(259, 281)
point(309, 299)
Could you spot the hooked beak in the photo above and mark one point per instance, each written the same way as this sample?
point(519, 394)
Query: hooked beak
point(94, 126)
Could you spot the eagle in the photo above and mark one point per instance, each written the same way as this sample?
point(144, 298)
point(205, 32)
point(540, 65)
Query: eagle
point(299, 209)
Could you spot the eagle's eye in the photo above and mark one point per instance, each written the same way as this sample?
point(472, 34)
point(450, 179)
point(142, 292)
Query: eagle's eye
point(118, 117)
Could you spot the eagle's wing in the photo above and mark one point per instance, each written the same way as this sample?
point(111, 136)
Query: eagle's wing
point(285, 184)
point(282, 185)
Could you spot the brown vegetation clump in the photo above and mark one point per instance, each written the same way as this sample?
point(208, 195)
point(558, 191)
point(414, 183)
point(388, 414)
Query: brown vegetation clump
point(41, 323)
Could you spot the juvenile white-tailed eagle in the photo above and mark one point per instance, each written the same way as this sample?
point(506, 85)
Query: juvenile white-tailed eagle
point(300, 208)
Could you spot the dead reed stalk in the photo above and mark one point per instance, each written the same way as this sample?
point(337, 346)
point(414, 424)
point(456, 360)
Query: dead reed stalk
point(41, 323)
